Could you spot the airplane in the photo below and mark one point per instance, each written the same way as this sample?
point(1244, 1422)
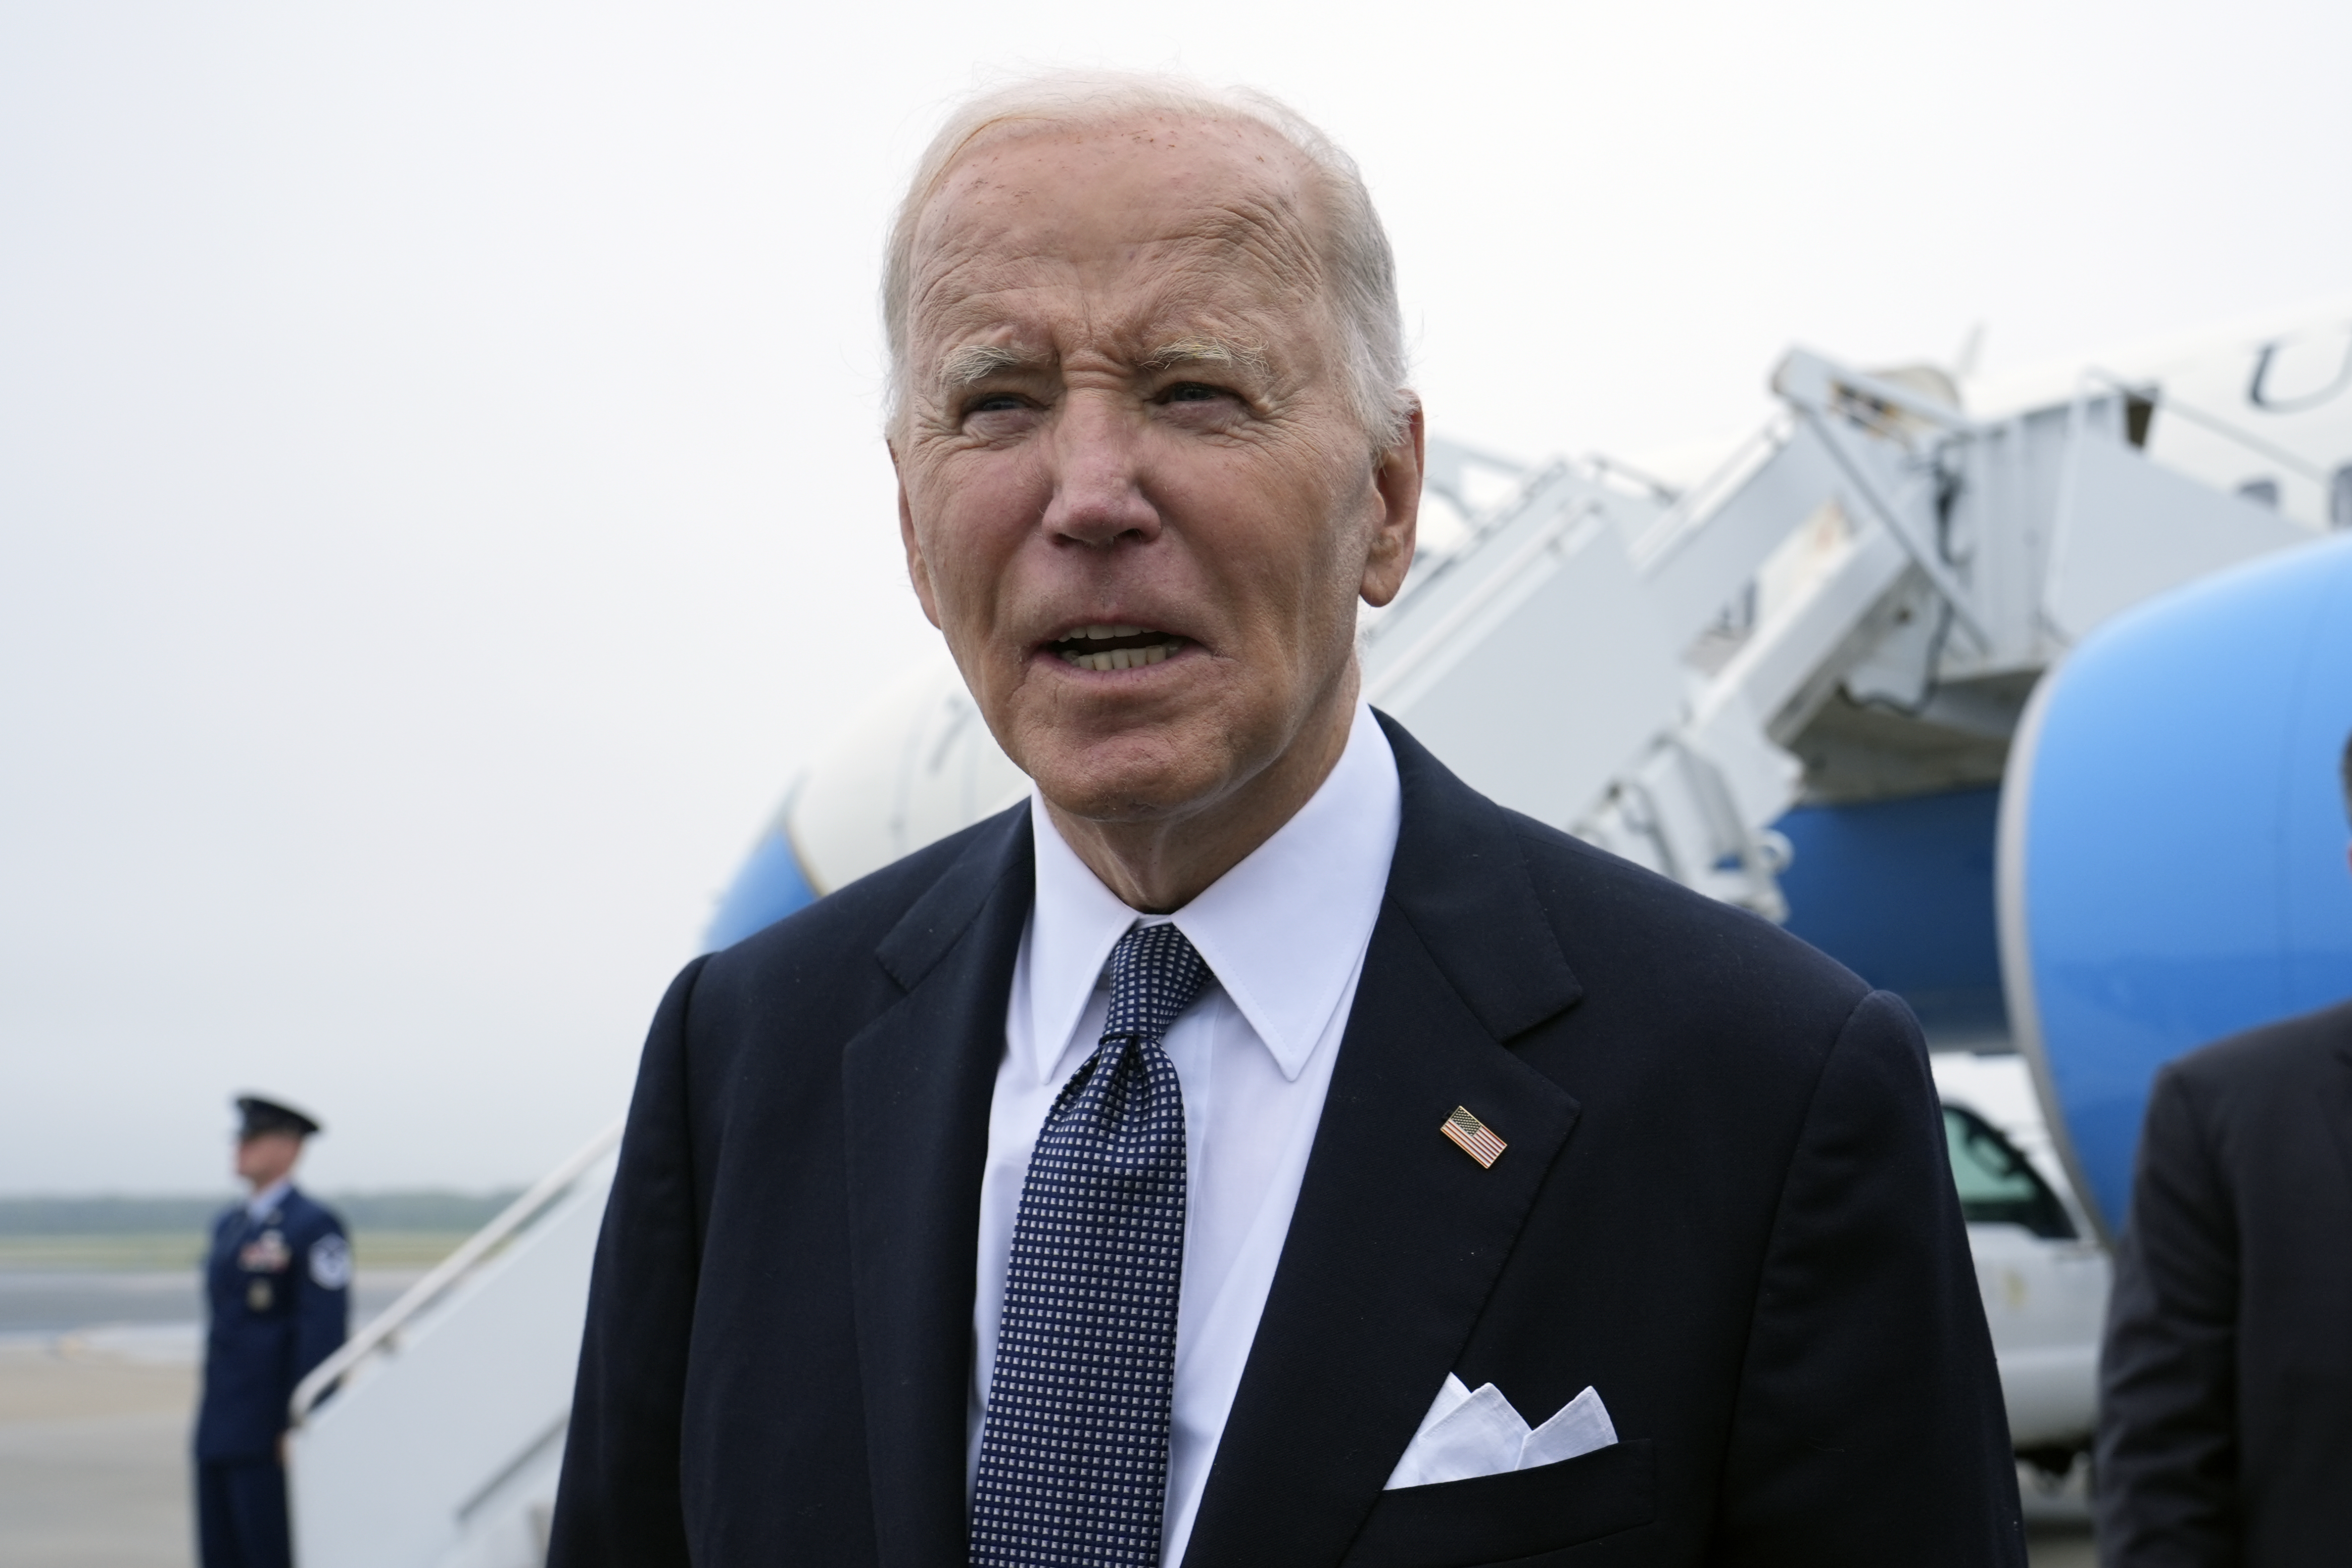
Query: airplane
point(2010, 694)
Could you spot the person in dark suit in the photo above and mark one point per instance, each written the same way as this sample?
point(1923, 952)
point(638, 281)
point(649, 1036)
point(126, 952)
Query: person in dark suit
point(1258, 1149)
point(2225, 1382)
point(277, 1284)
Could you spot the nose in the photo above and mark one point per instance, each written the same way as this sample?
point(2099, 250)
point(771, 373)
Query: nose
point(1098, 496)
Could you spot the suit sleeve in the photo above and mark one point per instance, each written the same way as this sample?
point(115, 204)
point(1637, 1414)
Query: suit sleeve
point(2168, 1452)
point(619, 1500)
point(1870, 1427)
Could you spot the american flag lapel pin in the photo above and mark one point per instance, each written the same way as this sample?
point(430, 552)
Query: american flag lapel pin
point(1472, 1137)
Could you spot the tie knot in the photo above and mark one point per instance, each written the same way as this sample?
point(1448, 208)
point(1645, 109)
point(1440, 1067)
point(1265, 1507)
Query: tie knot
point(1155, 973)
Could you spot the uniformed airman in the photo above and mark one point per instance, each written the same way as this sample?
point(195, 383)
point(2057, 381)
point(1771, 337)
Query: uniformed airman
point(279, 1283)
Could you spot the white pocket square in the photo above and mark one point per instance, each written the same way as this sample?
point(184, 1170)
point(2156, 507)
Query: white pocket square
point(1466, 1434)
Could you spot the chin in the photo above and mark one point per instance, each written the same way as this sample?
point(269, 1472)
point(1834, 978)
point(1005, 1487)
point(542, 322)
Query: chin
point(1130, 778)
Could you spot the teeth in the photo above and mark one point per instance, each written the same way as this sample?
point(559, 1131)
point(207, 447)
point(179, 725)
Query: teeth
point(1121, 658)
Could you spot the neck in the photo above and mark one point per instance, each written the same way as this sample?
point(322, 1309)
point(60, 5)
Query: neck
point(1162, 864)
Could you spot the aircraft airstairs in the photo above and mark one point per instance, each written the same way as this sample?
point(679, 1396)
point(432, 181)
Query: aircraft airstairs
point(1634, 667)
point(432, 1439)
point(1656, 671)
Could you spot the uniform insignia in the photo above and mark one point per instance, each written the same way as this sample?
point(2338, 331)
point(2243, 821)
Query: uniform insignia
point(331, 1262)
point(257, 1296)
point(265, 1255)
point(1472, 1137)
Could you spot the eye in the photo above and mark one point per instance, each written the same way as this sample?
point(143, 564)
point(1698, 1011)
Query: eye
point(1193, 391)
point(996, 416)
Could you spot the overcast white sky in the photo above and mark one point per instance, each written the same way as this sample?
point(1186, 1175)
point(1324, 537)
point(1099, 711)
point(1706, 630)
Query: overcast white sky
point(440, 500)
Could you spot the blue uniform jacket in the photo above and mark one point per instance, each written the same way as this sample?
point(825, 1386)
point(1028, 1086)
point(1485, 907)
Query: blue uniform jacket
point(280, 1292)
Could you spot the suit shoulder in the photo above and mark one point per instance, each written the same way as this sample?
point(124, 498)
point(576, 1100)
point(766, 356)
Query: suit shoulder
point(1652, 957)
point(308, 1218)
point(2281, 1057)
point(1720, 990)
point(1604, 904)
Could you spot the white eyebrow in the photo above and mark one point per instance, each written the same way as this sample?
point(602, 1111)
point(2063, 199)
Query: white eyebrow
point(975, 363)
point(1200, 351)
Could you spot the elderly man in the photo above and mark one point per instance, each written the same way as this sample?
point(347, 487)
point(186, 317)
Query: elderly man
point(1258, 1149)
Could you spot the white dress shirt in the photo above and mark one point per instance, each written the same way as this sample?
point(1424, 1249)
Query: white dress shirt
point(1283, 935)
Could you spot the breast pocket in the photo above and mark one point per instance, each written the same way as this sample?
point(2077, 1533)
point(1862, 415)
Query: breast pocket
point(1520, 1513)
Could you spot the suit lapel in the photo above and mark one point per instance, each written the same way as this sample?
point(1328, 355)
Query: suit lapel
point(916, 1083)
point(1399, 1235)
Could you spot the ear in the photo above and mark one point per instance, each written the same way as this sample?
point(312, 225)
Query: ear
point(1396, 479)
point(918, 571)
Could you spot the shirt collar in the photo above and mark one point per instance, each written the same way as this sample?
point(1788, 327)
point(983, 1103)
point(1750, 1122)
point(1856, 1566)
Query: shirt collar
point(269, 1197)
point(1281, 931)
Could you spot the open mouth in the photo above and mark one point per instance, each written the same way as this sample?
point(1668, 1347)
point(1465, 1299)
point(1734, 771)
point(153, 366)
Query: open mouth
point(1114, 647)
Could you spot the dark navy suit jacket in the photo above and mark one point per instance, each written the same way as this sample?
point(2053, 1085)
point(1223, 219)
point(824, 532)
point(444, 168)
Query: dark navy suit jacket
point(279, 1289)
point(2225, 1400)
point(1725, 1205)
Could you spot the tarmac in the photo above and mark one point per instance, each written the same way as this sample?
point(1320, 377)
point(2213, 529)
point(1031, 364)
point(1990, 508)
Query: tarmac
point(98, 1393)
point(98, 1388)
point(93, 1458)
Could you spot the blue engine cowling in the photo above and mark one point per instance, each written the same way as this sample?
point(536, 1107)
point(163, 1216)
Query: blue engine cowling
point(2172, 847)
point(769, 885)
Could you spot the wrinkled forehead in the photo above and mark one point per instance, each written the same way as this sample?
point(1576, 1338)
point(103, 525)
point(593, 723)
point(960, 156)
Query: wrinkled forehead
point(1170, 213)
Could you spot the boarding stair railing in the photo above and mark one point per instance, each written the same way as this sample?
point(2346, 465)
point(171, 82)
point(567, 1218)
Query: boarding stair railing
point(433, 1437)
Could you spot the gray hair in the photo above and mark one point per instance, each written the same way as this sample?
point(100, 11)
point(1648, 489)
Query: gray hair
point(1359, 266)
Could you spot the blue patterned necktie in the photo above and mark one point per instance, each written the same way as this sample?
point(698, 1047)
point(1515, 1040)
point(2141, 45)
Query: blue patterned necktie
point(1074, 1455)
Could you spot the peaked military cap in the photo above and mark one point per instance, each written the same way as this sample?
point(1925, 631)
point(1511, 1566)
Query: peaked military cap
point(270, 1116)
